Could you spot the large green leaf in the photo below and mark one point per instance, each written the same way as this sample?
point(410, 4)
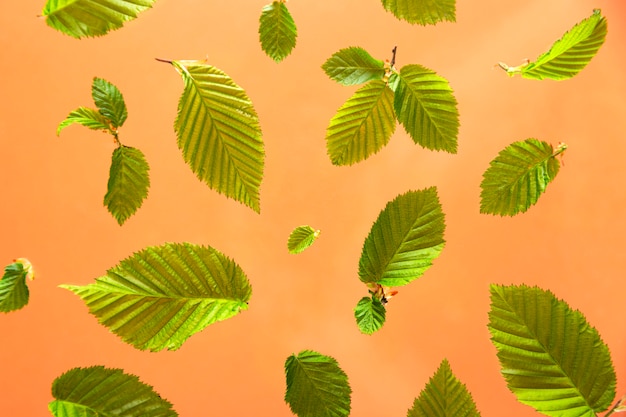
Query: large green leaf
point(277, 31)
point(219, 134)
point(444, 396)
point(354, 65)
point(423, 12)
point(13, 289)
point(128, 183)
point(405, 239)
point(301, 238)
point(370, 314)
point(90, 118)
point(425, 105)
point(160, 296)
point(362, 126)
point(316, 386)
point(518, 176)
point(570, 54)
point(109, 101)
point(101, 392)
point(551, 358)
point(85, 18)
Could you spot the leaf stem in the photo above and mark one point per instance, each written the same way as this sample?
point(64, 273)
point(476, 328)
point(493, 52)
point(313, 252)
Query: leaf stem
point(393, 57)
point(559, 149)
point(163, 60)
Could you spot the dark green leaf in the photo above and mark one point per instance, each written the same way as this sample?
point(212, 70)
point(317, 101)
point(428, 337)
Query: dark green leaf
point(109, 101)
point(277, 31)
point(86, 117)
point(370, 314)
point(301, 238)
point(353, 66)
point(13, 289)
point(421, 11)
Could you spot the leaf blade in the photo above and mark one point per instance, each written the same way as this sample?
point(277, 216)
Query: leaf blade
point(90, 118)
point(109, 101)
point(422, 12)
point(352, 66)
point(14, 293)
point(301, 238)
point(277, 31)
point(370, 315)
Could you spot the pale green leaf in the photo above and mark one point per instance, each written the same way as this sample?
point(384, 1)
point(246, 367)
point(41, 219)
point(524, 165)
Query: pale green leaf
point(86, 18)
point(90, 118)
point(277, 31)
point(316, 386)
point(444, 396)
point(426, 107)
point(362, 126)
point(160, 296)
point(219, 133)
point(109, 101)
point(550, 356)
point(128, 183)
point(423, 12)
point(518, 176)
point(301, 238)
point(354, 65)
point(405, 239)
point(13, 289)
point(101, 392)
point(370, 314)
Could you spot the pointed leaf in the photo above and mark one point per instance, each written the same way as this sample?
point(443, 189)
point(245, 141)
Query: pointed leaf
point(425, 105)
point(219, 134)
point(277, 31)
point(13, 289)
point(551, 358)
point(85, 18)
point(405, 239)
point(353, 66)
point(422, 12)
point(99, 391)
point(109, 101)
point(90, 118)
point(444, 396)
point(362, 126)
point(316, 386)
point(518, 176)
point(370, 314)
point(128, 183)
point(301, 238)
point(161, 296)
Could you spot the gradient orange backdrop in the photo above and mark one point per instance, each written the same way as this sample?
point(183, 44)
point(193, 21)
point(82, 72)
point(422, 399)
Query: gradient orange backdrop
point(572, 242)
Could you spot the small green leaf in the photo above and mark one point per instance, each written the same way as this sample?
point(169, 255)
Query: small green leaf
point(405, 239)
point(90, 118)
point(277, 31)
point(316, 386)
point(370, 314)
point(362, 126)
point(13, 289)
point(422, 12)
point(128, 183)
point(109, 101)
point(99, 391)
point(518, 176)
point(444, 396)
point(354, 65)
point(426, 107)
point(301, 238)
point(550, 356)
point(85, 18)
point(160, 296)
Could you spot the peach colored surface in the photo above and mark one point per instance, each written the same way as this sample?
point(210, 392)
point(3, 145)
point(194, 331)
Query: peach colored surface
point(52, 188)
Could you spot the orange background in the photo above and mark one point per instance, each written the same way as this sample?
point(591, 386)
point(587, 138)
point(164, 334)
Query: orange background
point(571, 242)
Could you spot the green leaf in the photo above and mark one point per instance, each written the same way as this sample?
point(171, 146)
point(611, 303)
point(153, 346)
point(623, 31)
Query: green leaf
point(13, 289)
point(444, 396)
point(353, 66)
point(277, 31)
point(362, 126)
point(99, 391)
point(301, 238)
point(570, 54)
point(551, 358)
point(160, 296)
point(219, 134)
point(518, 176)
point(128, 183)
point(86, 117)
point(370, 314)
point(316, 386)
point(405, 239)
point(425, 105)
point(86, 18)
point(422, 12)
point(109, 101)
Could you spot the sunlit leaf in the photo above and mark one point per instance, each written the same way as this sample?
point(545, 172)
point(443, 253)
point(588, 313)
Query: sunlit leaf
point(277, 31)
point(518, 176)
point(550, 356)
point(423, 12)
point(90, 118)
point(13, 289)
point(301, 238)
point(160, 296)
point(316, 386)
point(370, 314)
point(354, 65)
point(109, 101)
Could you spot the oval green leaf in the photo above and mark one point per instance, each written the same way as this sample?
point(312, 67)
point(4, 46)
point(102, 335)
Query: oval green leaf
point(301, 238)
point(14, 292)
point(422, 12)
point(109, 101)
point(370, 314)
point(353, 65)
point(277, 31)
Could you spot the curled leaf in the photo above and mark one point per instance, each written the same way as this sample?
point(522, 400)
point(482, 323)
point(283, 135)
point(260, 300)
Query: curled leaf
point(14, 292)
